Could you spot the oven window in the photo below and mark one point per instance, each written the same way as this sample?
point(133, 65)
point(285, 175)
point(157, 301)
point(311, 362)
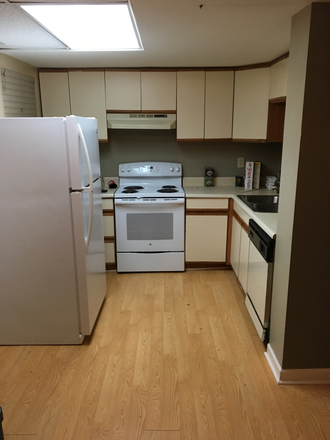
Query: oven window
point(156, 226)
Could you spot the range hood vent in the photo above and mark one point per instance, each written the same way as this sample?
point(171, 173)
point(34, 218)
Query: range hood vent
point(146, 121)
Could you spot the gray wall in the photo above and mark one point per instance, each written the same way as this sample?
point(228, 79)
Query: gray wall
point(161, 145)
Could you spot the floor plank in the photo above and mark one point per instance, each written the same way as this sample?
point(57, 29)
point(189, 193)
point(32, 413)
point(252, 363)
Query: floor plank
point(174, 356)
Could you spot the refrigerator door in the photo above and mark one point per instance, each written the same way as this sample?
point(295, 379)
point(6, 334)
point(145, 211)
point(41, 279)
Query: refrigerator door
point(90, 255)
point(79, 175)
point(86, 201)
point(39, 296)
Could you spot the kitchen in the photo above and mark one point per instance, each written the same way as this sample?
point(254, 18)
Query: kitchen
point(296, 341)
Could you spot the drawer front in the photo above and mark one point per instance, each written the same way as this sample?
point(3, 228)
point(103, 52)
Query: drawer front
point(108, 226)
point(206, 203)
point(109, 252)
point(107, 204)
point(241, 213)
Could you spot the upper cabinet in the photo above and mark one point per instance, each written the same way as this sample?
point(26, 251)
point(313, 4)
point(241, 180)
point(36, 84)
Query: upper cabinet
point(251, 104)
point(123, 90)
point(140, 91)
point(219, 91)
point(190, 105)
point(278, 79)
point(158, 91)
point(87, 95)
point(277, 100)
point(80, 93)
point(55, 96)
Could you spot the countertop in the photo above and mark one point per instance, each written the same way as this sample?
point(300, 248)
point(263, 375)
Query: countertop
point(268, 221)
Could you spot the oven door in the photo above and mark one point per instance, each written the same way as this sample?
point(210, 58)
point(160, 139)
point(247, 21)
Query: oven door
point(149, 225)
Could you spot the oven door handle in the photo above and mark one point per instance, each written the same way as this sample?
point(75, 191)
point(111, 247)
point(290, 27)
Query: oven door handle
point(142, 202)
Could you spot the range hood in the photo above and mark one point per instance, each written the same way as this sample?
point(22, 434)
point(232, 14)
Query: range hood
point(147, 121)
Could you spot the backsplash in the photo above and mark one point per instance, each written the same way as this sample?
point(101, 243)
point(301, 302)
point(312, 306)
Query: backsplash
point(161, 145)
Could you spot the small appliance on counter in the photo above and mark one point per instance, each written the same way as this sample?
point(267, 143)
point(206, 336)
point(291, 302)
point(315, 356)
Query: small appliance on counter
point(208, 179)
point(149, 215)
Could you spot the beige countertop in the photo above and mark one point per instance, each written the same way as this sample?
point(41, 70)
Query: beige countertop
point(267, 221)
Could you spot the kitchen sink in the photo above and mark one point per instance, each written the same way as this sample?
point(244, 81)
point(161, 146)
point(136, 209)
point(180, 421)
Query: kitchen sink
point(268, 203)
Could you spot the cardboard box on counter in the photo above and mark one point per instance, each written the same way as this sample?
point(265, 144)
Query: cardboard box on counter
point(256, 175)
point(249, 175)
point(252, 175)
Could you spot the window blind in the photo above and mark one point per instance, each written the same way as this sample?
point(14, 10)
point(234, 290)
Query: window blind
point(18, 91)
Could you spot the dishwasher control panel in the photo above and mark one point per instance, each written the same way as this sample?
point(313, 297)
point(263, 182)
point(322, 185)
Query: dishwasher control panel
point(262, 241)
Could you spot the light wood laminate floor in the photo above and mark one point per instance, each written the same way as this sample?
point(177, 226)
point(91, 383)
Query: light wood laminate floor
point(174, 356)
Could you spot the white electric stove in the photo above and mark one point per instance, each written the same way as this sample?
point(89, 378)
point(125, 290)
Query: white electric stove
point(149, 216)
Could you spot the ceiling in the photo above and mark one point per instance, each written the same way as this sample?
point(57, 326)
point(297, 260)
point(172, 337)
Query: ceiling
point(174, 33)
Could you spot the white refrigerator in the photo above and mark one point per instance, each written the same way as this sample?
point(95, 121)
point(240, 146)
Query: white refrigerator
point(52, 259)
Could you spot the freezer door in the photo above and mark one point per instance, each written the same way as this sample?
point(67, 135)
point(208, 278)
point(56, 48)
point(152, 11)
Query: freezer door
point(78, 166)
point(90, 255)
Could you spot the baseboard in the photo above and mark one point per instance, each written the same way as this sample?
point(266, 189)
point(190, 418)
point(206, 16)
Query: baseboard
point(296, 376)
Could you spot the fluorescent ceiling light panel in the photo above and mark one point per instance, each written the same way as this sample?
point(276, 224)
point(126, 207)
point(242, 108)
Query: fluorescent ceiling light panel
point(89, 27)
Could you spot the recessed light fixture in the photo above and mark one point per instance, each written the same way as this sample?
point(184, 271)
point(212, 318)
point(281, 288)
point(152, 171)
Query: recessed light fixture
point(89, 27)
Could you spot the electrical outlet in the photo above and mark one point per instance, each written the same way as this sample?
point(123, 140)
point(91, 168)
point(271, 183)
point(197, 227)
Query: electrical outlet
point(240, 162)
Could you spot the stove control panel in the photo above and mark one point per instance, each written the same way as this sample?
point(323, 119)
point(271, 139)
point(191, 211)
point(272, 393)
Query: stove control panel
point(155, 169)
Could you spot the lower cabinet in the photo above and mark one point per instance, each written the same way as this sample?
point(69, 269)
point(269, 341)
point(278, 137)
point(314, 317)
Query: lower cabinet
point(109, 234)
point(240, 242)
point(206, 232)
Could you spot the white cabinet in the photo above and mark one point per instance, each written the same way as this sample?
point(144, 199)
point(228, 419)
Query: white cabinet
point(140, 91)
point(235, 245)
point(278, 79)
point(87, 95)
point(55, 96)
point(240, 242)
point(109, 233)
point(123, 90)
point(158, 91)
point(190, 104)
point(251, 104)
point(206, 232)
point(219, 91)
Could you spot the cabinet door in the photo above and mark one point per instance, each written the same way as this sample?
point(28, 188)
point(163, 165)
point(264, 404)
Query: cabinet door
point(244, 258)
point(158, 91)
point(87, 94)
point(219, 92)
point(278, 79)
point(206, 238)
point(251, 104)
point(55, 97)
point(123, 91)
point(190, 105)
point(235, 246)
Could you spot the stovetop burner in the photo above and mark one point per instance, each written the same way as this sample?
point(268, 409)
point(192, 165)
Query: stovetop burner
point(133, 187)
point(129, 191)
point(167, 190)
point(169, 186)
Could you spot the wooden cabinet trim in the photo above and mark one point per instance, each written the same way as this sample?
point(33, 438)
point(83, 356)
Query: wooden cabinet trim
point(250, 140)
point(206, 211)
point(241, 221)
point(108, 212)
point(110, 266)
point(206, 265)
point(109, 239)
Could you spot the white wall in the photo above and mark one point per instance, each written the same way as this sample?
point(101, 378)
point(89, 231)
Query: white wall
point(10, 63)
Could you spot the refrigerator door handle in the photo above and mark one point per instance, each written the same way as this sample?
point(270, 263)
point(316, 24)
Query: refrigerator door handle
point(90, 187)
